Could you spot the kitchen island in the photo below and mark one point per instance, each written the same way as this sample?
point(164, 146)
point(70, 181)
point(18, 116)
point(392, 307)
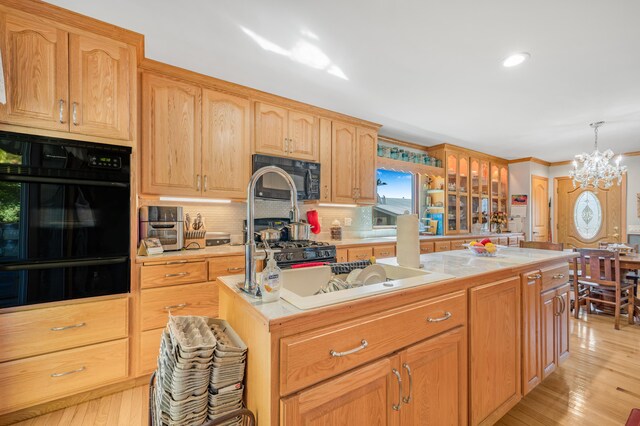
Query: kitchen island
point(463, 350)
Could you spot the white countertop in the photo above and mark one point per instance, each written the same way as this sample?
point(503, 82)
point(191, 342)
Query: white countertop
point(458, 263)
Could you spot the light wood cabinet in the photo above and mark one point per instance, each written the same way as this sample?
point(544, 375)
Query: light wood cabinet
point(171, 136)
point(343, 151)
point(435, 372)
point(381, 252)
point(360, 253)
point(286, 133)
point(365, 170)
point(173, 273)
point(226, 159)
point(442, 246)
point(554, 328)
point(457, 199)
point(531, 363)
point(194, 141)
point(495, 351)
point(342, 255)
point(361, 397)
point(426, 247)
point(325, 160)
point(71, 82)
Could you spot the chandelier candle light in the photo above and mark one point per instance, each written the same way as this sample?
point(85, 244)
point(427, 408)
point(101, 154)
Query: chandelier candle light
point(595, 167)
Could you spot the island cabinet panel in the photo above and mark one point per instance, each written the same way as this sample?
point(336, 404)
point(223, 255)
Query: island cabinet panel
point(434, 378)
point(531, 345)
point(36, 69)
point(495, 351)
point(311, 357)
point(365, 396)
point(554, 328)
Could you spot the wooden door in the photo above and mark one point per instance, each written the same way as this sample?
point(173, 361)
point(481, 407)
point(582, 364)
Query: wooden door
point(343, 141)
point(563, 323)
point(271, 130)
point(366, 147)
point(171, 136)
point(102, 75)
point(531, 366)
point(226, 149)
point(325, 160)
point(539, 208)
point(494, 340)
point(303, 136)
point(437, 387)
point(608, 205)
point(548, 312)
point(363, 396)
point(35, 59)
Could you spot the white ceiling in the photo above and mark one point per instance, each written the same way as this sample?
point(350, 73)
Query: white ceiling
point(428, 71)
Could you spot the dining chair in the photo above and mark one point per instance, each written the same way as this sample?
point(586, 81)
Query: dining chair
point(631, 275)
point(542, 245)
point(600, 282)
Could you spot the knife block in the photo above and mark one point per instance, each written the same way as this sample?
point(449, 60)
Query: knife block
point(194, 240)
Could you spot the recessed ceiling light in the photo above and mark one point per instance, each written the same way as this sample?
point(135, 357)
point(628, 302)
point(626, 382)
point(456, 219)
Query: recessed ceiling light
point(516, 59)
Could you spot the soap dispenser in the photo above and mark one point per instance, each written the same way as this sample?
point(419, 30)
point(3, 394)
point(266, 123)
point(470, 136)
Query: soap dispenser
point(271, 280)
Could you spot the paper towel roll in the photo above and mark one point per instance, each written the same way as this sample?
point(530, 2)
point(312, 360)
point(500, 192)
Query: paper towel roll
point(408, 248)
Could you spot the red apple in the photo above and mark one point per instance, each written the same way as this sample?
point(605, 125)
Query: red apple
point(485, 241)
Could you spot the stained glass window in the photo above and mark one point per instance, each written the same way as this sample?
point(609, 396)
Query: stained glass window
point(587, 215)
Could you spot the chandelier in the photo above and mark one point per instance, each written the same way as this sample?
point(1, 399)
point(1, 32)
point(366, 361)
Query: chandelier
point(595, 168)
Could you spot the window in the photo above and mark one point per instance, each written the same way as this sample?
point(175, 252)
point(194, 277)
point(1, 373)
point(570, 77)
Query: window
point(587, 215)
point(395, 196)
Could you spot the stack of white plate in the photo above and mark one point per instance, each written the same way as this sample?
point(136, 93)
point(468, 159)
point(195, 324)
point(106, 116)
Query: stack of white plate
point(184, 371)
point(229, 360)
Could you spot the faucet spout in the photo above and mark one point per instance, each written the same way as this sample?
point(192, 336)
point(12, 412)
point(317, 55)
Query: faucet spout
point(250, 285)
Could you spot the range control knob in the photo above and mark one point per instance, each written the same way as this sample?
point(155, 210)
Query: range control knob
point(289, 256)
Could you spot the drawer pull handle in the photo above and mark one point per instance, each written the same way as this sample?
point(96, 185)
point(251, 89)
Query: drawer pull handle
point(399, 404)
point(238, 269)
point(176, 262)
point(178, 274)
point(558, 276)
point(172, 307)
point(66, 327)
point(534, 277)
point(69, 372)
point(363, 344)
point(446, 316)
point(407, 399)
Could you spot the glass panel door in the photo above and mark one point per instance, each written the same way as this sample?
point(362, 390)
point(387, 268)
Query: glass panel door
point(452, 207)
point(452, 173)
point(463, 208)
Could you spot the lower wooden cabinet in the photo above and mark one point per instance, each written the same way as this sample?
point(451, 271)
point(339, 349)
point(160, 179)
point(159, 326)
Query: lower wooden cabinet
point(360, 253)
point(531, 363)
point(554, 328)
point(381, 252)
point(426, 247)
point(442, 246)
point(149, 349)
point(342, 255)
point(494, 350)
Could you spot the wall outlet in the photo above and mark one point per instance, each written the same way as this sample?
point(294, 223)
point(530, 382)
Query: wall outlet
point(347, 221)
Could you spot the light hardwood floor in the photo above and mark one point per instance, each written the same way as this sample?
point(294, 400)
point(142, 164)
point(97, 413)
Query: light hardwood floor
point(598, 385)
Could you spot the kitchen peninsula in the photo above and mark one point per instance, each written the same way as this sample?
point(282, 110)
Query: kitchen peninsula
point(503, 319)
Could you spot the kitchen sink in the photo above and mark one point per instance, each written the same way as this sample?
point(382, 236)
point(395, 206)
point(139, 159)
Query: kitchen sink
point(300, 285)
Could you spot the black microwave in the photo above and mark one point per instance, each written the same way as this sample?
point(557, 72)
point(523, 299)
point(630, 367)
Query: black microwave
point(305, 174)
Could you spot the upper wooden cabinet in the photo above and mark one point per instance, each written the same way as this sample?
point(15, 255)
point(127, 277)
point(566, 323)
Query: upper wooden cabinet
point(325, 160)
point(101, 86)
point(171, 136)
point(194, 141)
point(67, 81)
point(286, 133)
point(366, 165)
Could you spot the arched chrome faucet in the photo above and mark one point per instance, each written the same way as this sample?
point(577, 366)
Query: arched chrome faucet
point(250, 244)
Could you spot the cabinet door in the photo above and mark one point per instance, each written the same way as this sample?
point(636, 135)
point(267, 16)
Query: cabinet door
point(435, 381)
point(303, 136)
point(342, 255)
point(226, 156)
point(102, 76)
point(171, 133)
point(366, 148)
point(325, 160)
point(548, 313)
point(563, 323)
point(531, 366)
point(494, 350)
point(361, 397)
point(271, 130)
point(35, 66)
point(343, 142)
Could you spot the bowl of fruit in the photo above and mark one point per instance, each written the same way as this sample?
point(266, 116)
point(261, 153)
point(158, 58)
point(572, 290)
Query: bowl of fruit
point(483, 248)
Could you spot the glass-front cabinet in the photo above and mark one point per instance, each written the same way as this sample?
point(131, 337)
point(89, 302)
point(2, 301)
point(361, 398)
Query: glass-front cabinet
point(457, 193)
point(479, 183)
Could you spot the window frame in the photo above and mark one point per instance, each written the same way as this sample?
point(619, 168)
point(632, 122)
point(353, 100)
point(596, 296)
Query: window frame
point(414, 196)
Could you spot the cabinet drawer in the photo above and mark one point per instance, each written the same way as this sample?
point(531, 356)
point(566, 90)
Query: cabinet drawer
point(172, 273)
point(426, 247)
point(342, 255)
point(380, 252)
point(38, 331)
point(457, 244)
point(46, 377)
point(555, 276)
point(221, 266)
point(442, 246)
point(188, 299)
point(513, 242)
point(149, 349)
point(360, 253)
point(503, 241)
point(307, 358)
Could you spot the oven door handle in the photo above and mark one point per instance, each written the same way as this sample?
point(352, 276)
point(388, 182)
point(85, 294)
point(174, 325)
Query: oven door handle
point(29, 266)
point(62, 181)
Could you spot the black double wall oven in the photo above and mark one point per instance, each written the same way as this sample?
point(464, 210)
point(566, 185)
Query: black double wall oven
point(64, 219)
